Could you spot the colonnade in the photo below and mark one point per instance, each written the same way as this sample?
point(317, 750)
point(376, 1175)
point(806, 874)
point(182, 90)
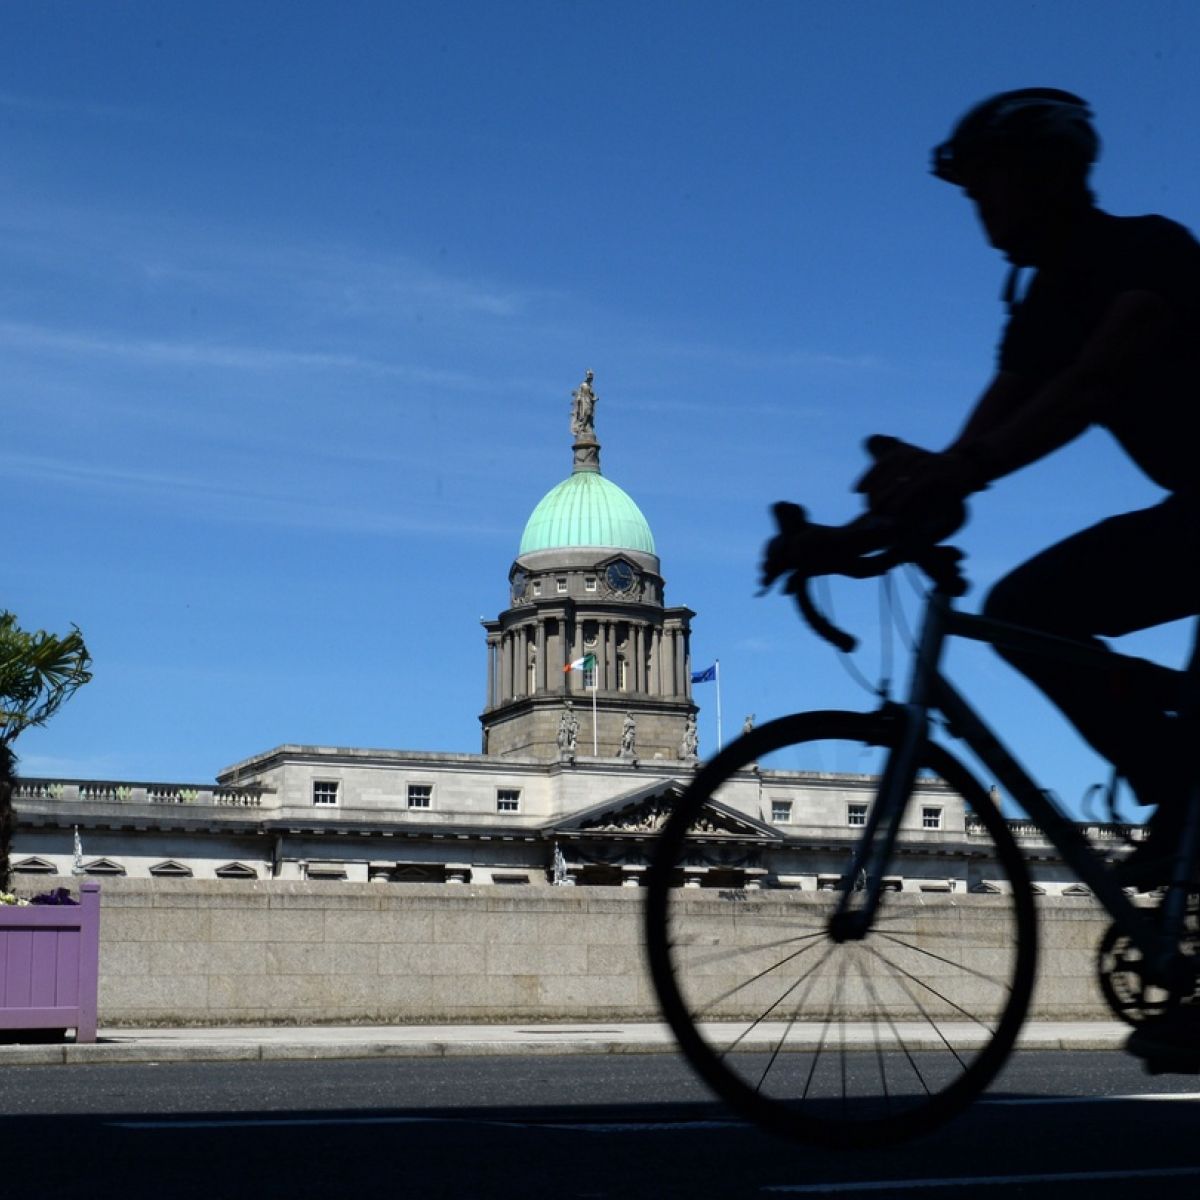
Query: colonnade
point(528, 658)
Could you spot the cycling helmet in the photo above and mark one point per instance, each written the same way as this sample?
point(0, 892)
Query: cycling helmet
point(1029, 121)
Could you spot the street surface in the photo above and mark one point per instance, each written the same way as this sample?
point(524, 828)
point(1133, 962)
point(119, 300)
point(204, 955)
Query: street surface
point(1062, 1124)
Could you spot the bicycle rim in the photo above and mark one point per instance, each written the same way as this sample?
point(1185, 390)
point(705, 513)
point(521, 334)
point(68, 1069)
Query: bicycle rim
point(851, 1043)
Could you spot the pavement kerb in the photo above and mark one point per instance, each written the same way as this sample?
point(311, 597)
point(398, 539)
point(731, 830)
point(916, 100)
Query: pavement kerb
point(283, 1043)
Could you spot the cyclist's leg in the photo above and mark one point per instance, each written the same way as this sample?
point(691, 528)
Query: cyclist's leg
point(1127, 573)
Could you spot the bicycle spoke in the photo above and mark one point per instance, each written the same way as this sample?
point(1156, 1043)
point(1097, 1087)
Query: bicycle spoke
point(929, 1020)
point(745, 983)
point(812, 980)
point(947, 961)
point(704, 960)
point(810, 975)
point(929, 988)
point(876, 1010)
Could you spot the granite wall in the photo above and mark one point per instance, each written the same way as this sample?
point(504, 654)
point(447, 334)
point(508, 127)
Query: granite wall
point(215, 951)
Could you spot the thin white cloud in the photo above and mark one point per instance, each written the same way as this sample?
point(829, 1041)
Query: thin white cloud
point(156, 353)
point(52, 766)
point(212, 498)
point(343, 280)
point(789, 359)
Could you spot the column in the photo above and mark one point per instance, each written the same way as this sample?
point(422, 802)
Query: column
point(541, 655)
point(505, 669)
point(668, 666)
point(656, 687)
point(576, 652)
point(639, 658)
point(491, 678)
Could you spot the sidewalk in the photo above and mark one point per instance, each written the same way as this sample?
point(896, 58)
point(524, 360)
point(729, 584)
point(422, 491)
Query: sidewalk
point(279, 1042)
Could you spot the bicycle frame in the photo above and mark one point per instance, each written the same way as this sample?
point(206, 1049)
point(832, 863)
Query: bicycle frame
point(928, 692)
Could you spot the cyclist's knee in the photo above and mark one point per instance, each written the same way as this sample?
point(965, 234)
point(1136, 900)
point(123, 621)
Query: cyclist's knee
point(1008, 601)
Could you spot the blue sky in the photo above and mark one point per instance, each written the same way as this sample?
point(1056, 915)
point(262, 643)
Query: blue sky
point(293, 296)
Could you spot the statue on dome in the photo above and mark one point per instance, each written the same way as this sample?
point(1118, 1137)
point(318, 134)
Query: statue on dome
point(583, 408)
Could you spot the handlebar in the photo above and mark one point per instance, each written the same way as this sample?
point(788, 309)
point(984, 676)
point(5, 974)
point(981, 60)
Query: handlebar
point(866, 547)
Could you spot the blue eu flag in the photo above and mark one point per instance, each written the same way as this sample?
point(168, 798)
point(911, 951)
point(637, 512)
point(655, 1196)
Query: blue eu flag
point(705, 676)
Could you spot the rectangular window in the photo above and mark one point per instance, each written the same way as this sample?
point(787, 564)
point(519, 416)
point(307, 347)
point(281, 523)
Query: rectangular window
point(856, 814)
point(781, 811)
point(508, 800)
point(420, 795)
point(623, 674)
point(931, 818)
point(324, 791)
point(589, 583)
point(537, 587)
point(561, 584)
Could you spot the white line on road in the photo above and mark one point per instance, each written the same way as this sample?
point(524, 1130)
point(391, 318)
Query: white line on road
point(1087, 1099)
point(310, 1122)
point(579, 1126)
point(892, 1187)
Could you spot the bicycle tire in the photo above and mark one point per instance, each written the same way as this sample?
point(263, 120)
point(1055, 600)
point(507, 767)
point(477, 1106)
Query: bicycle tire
point(722, 968)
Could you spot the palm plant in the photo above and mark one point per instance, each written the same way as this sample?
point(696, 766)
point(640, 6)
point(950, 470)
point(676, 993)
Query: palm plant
point(38, 673)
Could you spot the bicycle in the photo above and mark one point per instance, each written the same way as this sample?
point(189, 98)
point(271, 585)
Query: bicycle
point(865, 1015)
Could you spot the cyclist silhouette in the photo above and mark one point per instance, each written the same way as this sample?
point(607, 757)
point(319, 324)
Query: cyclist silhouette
point(1107, 332)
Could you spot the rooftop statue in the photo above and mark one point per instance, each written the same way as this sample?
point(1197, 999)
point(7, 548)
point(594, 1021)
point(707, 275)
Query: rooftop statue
point(583, 408)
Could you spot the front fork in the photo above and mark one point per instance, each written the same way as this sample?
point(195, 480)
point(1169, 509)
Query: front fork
point(855, 912)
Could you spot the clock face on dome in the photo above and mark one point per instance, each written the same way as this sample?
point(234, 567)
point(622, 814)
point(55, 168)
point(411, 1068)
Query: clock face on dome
point(619, 576)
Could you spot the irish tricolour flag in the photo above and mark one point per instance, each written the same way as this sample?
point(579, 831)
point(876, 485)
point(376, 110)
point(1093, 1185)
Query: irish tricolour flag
point(586, 663)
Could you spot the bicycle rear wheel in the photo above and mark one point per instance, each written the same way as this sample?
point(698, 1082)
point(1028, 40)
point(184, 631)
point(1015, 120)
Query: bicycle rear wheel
point(845, 1042)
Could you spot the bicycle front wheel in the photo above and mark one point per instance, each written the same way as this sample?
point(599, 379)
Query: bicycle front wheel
point(822, 1039)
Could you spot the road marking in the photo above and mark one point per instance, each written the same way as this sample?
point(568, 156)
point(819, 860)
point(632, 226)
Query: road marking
point(310, 1122)
point(574, 1126)
point(893, 1187)
point(1087, 1099)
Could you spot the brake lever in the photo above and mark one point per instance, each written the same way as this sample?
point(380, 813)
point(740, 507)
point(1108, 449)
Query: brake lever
point(817, 621)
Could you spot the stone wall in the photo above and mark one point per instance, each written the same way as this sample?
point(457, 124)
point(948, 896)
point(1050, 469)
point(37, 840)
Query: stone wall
point(215, 951)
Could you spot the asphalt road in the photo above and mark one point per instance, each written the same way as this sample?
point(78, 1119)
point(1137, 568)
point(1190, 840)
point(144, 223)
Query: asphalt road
point(1063, 1124)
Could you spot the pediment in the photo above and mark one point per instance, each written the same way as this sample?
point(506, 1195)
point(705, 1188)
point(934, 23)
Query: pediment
point(35, 866)
point(236, 870)
point(645, 812)
point(171, 870)
point(103, 866)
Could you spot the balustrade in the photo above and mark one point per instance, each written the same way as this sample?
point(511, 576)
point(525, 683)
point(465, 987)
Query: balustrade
point(51, 790)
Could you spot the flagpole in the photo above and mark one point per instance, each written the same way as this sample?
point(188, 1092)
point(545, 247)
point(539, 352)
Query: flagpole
point(719, 742)
point(595, 673)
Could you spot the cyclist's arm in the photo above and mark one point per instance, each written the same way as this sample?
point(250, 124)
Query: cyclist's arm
point(1013, 425)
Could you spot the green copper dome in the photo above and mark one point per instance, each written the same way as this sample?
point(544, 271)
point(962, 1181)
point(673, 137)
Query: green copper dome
point(586, 510)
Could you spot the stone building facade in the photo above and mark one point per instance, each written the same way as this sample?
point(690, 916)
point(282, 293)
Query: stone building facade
point(556, 796)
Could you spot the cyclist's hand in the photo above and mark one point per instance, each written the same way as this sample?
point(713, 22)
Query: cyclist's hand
point(907, 480)
point(932, 482)
point(780, 554)
point(896, 464)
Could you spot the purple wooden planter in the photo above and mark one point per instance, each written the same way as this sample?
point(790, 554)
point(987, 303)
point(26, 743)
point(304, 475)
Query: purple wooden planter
point(50, 965)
